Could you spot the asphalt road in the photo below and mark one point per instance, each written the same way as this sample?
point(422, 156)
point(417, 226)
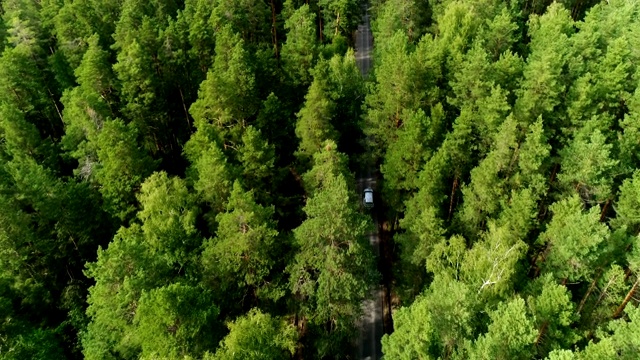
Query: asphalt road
point(370, 324)
point(364, 44)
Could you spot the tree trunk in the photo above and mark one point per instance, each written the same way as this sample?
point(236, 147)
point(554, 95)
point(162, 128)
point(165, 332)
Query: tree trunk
point(274, 31)
point(55, 104)
point(300, 322)
point(320, 25)
point(454, 187)
point(604, 292)
point(541, 332)
point(604, 210)
point(184, 106)
point(544, 253)
point(586, 295)
point(630, 294)
point(514, 158)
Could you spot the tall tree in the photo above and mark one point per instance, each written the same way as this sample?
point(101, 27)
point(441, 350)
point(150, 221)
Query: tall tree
point(511, 334)
point(332, 269)
point(257, 336)
point(572, 239)
point(227, 98)
point(436, 325)
point(240, 259)
point(142, 302)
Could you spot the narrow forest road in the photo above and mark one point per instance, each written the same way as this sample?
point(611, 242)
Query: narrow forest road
point(370, 324)
point(364, 43)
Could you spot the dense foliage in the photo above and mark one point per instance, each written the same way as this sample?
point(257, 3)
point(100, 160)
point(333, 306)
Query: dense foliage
point(177, 178)
point(155, 201)
point(507, 134)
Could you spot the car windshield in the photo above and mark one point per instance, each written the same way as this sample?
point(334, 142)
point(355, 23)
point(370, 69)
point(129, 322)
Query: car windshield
point(368, 196)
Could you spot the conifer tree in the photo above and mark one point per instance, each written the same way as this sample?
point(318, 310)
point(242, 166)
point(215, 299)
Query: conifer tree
point(227, 97)
point(238, 261)
point(511, 334)
point(572, 239)
point(257, 336)
point(332, 270)
point(299, 52)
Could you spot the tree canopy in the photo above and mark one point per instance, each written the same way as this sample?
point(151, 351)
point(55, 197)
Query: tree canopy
point(182, 179)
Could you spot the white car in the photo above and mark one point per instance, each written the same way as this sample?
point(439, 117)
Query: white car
point(368, 198)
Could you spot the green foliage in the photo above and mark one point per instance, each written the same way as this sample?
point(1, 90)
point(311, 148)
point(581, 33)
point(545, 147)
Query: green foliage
point(332, 270)
point(121, 167)
point(331, 108)
point(628, 205)
point(436, 324)
point(572, 239)
point(211, 175)
point(227, 97)
point(75, 23)
point(220, 137)
point(168, 217)
point(511, 334)
point(299, 51)
point(553, 311)
point(406, 156)
point(89, 105)
point(314, 125)
point(174, 321)
point(491, 265)
point(341, 17)
point(407, 16)
point(257, 336)
point(249, 18)
point(587, 166)
point(243, 252)
point(395, 91)
point(545, 74)
point(257, 157)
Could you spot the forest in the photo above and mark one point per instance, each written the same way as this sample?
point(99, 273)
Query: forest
point(178, 178)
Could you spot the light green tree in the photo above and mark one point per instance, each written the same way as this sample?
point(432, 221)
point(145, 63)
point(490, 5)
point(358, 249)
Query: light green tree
point(257, 336)
point(511, 334)
point(572, 239)
point(239, 259)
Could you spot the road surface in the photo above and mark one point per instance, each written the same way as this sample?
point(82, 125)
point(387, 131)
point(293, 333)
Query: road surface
point(364, 44)
point(370, 324)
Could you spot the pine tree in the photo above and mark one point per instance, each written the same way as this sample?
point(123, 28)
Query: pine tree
point(227, 97)
point(257, 336)
point(257, 157)
point(238, 261)
point(119, 168)
point(587, 166)
point(553, 312)
point(394, 92)
point(332, 269)
point(406, 156)
point(175, 321)
point(511, 334)
point(572, 239)
point(545, 75)
point(314, 125)
point(435, 325)
point(137, 280)
point(299, 52)
point(248, 18)
point(628, 205)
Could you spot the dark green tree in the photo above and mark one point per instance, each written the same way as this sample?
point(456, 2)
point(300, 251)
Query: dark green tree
point(332, 269)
